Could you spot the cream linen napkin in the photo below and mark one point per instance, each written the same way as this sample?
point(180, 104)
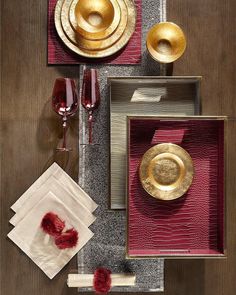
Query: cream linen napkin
point(40, 247)
point(57, 188)
point(58, 173)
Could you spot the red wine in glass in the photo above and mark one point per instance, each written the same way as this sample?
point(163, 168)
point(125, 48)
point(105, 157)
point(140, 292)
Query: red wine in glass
point(64, 103)
point(90, 96)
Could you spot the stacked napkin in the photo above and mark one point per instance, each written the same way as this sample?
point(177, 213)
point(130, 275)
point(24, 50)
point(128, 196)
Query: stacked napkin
point(53, 192)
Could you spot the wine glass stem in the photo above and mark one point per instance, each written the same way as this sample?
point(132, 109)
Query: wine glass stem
point(90, 121)
point(64, 132)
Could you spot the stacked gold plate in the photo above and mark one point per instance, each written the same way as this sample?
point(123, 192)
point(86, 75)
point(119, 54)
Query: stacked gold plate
point(95, 29)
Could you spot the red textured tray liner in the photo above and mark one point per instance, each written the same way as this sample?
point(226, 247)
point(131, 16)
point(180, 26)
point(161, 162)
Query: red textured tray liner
point(58, 53)
point(193, 224)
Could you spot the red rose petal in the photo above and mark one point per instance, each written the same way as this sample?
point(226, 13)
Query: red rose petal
point(68, 239)
point(52, 224)
point(102, 280)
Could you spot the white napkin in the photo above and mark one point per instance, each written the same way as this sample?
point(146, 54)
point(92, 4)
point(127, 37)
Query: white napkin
point(40, 247)
point(58, 173)
point(58, 189)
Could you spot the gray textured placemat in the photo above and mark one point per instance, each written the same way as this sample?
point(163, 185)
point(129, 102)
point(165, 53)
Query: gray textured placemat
point(107, 247)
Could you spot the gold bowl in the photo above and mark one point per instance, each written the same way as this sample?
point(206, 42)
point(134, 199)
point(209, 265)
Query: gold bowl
point(166, 42)
point(166, 171)
point(93, 45)
point(95, 20)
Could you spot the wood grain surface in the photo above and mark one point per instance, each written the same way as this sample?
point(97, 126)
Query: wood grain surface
point(29, 130)
point(210, 28)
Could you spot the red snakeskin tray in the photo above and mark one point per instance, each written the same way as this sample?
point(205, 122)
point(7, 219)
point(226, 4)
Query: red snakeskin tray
point(59, 54)
point(192, 225)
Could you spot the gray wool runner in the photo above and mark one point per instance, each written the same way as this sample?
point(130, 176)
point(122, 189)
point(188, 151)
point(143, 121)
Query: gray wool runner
point(107, 247)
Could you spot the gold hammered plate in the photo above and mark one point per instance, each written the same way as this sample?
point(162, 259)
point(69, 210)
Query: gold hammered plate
point(97, 53)
point(86, 44)
point(166, 171)
point(83, 27)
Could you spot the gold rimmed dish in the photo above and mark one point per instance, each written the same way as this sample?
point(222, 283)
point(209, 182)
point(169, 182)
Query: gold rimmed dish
point(130, 28)
point(166, 42)
point(92, 45)
point(95, 20)
point(166, 171)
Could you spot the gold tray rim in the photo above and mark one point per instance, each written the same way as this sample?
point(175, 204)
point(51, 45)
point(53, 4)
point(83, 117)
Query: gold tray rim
point(222, 255)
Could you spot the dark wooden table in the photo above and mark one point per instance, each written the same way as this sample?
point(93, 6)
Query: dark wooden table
point(29, 130)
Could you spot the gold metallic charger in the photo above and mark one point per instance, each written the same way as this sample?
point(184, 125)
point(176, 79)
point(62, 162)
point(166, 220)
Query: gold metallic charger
point(166, 171)
point(62, 13)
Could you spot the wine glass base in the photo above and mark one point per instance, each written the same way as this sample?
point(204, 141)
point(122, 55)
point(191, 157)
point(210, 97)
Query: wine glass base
point(63, 149)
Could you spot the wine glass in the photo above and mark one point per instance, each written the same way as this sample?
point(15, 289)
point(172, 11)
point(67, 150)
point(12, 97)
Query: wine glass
point(90, 96)
point(64, 103)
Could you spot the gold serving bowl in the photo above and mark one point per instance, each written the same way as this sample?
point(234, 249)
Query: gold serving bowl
point(166, 171)
point(95, 20)
point(166, 42)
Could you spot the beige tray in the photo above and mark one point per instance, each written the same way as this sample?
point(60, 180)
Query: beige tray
point(143, 96)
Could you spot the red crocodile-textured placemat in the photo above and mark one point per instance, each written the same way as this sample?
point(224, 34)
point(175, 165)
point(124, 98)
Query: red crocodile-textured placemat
point(193, 224)
point(59, 54)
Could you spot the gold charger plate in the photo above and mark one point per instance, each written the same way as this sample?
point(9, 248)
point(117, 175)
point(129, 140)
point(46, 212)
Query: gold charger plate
point(109, 14)
point(166, 171)
point(101, 53)
point(86, 44)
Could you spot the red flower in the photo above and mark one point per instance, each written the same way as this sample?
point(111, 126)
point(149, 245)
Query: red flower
point(102, 280)
point(68, 239)
point(52, 224)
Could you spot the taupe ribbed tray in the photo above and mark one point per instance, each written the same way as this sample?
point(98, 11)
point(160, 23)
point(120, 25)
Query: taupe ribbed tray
point(143, 96)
